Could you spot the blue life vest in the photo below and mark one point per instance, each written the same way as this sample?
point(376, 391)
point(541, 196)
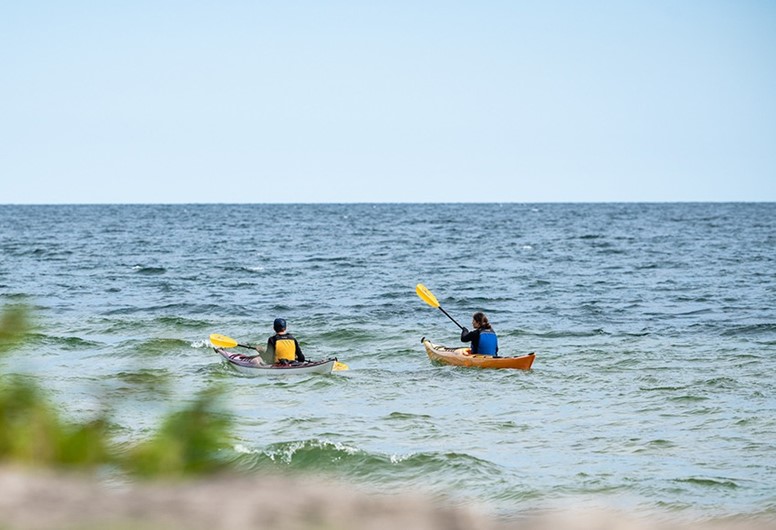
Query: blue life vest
point(488, 344)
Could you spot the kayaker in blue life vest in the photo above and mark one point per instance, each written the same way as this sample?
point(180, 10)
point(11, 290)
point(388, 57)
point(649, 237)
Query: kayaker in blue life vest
point(282, 347)
point(483, 338)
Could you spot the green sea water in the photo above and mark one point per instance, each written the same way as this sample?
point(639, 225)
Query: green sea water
point(654, 327)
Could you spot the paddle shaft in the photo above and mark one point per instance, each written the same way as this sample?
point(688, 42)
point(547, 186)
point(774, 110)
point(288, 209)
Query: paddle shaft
point(451, 318)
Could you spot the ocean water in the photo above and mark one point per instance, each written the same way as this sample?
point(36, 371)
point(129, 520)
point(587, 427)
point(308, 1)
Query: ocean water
point(654, 327)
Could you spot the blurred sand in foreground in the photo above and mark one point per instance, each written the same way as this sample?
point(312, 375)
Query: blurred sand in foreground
point(44, 500)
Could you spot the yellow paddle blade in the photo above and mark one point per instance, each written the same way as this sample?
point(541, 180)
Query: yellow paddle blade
point(426, 295)
point(222, 341)
point(340, 367)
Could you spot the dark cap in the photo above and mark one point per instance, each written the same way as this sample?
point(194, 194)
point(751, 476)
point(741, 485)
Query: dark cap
point(279, 324)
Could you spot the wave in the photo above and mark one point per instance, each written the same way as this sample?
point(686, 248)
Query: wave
point(316, 455)
point(750, 329)
point(662, 388)
point(145, 379)
point(50, 254)
point(66, 343)
point(557, 334)
point(258, 269)
point(407, 416)
point(116, 326)
point(722, 383)
point(156, 346)
point(181, 308)
point(182, 322)
point(112, 325)
point(707, 482)
point(142, 269)
point(687, 398)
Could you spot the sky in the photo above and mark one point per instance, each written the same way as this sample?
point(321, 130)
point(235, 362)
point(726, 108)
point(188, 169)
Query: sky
point(298, 101)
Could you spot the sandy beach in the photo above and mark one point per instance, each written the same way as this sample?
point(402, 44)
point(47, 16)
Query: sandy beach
point(43, 500)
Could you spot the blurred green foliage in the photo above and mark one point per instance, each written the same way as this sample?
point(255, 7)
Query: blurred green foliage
point(32, 431)
point(187, 443)
point(14, 325)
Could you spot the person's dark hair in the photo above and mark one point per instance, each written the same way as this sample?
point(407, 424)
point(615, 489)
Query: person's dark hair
point(279, 324)
point(481, 320)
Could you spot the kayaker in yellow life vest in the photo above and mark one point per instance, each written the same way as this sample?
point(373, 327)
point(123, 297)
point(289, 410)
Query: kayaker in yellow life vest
point(483, 338)
point(282, 347)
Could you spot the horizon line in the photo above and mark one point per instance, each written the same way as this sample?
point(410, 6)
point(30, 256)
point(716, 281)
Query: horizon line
point(375, 203)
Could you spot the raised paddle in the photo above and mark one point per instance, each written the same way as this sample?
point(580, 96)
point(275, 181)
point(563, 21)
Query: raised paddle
point(222, 341)
point(431, 300)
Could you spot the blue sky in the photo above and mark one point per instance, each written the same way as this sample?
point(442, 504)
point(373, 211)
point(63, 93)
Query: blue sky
point(401, 101)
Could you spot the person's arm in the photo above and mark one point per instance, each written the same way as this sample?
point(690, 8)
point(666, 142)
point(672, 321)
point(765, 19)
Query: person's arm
point(269, 352)
point(468, 336)
point(299, 354)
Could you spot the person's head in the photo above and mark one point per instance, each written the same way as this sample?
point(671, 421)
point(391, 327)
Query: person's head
point(480, 321)
point(279, 325)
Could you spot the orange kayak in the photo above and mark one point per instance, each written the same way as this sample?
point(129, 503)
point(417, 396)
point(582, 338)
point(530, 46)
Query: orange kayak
point(463, 357)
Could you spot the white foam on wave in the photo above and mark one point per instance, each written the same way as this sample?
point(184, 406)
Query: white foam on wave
point(398, 459)
point(240, 448)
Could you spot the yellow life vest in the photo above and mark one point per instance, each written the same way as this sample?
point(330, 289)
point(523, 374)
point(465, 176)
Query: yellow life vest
point(285, 350)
